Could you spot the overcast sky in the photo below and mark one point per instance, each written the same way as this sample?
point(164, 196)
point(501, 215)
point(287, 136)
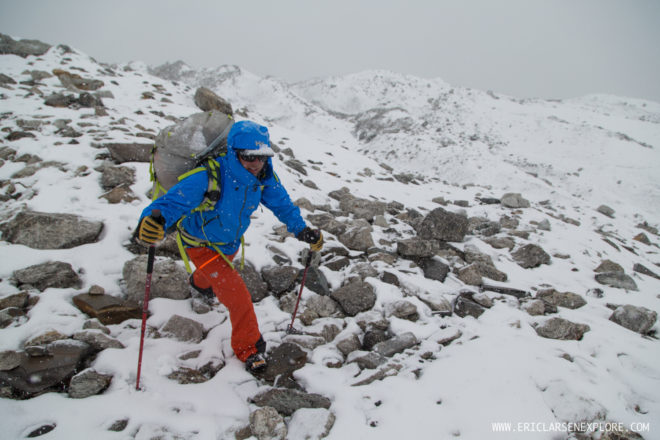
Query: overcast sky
point(523, 48)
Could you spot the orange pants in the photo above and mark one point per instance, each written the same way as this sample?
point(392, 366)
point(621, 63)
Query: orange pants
point(213, 272)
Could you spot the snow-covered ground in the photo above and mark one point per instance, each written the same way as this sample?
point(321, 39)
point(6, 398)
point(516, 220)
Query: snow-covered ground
point(567, 158)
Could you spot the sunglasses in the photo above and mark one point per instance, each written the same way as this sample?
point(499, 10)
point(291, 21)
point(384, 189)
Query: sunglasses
point(247, 157)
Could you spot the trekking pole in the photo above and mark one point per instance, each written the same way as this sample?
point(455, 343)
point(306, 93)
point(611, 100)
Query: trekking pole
point(290, 330)
point(145, 303)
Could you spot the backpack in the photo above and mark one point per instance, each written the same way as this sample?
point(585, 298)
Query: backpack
point(187, 147)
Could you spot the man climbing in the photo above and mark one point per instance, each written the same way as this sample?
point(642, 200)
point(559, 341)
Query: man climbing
point(210, 237)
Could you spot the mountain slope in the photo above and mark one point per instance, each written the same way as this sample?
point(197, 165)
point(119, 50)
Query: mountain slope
point(402, 147)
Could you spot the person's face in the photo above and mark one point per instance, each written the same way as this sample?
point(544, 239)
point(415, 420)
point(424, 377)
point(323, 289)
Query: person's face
point(253, 164)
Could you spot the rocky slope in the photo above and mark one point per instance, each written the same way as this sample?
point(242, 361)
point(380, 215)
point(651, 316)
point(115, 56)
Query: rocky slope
point(487, 260)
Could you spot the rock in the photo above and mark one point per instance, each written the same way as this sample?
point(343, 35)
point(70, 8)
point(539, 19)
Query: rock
point(315, 281)
point(10, 359)
point(184, 329)
point(443, 225)
point(169, 280)
point(355, 297)
point(10, 315)
point(59, 100)
point(129, 152)
point(637, 319)
point(97, 340)
point(55, 274)
point(357, 236)
point(185, 375)
point(257, 287)
point(88, 383)
point(362, 208)
point(207, 100)
point(535, 307)
point(73, 81)
point(374, 336)
point(311, 423)
point(328, 223)
point(464, 305)
point(370, 361)
point(22, 48)
point(403, 309)
point(436, 302)
point(559, 328)
point(279, 278)
point(514, 200)
point(322, 306)
point(296, 165)
point(267, 424)
point(283, 360)
point(416, 248)
point(119, 194)
point(287, 401)
point(95, 324)
point(45, 338)
point(40, 230)
point(107, 309)
point(349, 344)
point(639, 268)
point(36, 375)
point(609, 266)
point(396, 344)
point(470, 275)
point(563, 299)
point(530, 256)
point(606, 211)
point(617, 280)
point(114, 176)
point(18, 300)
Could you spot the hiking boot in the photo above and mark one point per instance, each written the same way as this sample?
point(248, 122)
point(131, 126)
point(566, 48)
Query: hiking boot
point(255, 362)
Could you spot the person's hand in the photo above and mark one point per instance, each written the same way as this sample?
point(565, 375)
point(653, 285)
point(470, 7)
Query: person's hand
point(312, 236)
point(152, 228)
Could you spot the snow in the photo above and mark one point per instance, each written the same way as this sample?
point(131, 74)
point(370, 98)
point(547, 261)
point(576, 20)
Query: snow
point(571, 153)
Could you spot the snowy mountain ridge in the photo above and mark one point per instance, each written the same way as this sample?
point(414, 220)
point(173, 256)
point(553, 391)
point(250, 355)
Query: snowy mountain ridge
point(535, 317)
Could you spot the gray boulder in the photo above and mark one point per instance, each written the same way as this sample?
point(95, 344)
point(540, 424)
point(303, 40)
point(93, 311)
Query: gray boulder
point(617, 280)
point(530, 256)
point(169, 280)
point(637, 319)
point(443, 225)
point(40, 230)
point(129, 152)
point(88, 383)
point(279, 278)
point(358, 236)
point(37, 374)
point(207, 100)
point(563, 299)
point(559, 328)
point(396, 344)
point(257, 287)
point(184, 329)
point(114, 176)
point(514, 200)
point(267, 424)
point(355, 297)
point(22, 48)
point(287, 401)
point(52, 274)
point(416, 247)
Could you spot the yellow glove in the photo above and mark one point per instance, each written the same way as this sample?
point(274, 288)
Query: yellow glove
point(151, 229)
point(312, 236)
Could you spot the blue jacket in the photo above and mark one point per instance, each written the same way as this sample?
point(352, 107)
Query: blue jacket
point(241, 194)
